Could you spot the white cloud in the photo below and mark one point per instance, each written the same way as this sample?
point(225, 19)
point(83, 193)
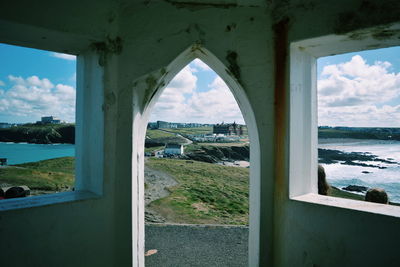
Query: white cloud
point(197, 63)
point(35, 97)
point(355, 93)
point(215, 105)
point(171, 105)
point(180, 101)
point(184, 81)
point(2, 83)
point(63, 56)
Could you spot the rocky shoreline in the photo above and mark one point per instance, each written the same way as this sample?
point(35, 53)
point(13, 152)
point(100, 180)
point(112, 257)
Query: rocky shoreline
point(331, 156)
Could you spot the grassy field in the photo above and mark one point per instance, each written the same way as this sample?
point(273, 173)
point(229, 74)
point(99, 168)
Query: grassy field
point(194, 130)
point(156, 134)
point(154, 148)
point(224, 144)
point(161, 137)
point(51, 175)
point(206, 193)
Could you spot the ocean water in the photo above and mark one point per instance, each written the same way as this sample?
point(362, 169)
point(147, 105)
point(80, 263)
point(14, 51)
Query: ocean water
point(340, 175)
point(17, 153)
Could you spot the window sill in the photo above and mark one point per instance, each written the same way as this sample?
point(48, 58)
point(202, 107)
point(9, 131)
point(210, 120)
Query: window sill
point(363, 206)
point(45, 200)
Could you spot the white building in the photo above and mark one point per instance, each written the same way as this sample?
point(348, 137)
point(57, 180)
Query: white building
point(173, 149)
point(50, 119)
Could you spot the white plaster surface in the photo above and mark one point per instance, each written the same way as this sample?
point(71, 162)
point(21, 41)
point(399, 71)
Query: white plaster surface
point(157, 38)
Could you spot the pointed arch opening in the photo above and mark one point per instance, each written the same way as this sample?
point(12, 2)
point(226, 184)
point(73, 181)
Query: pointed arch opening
point(153, 86)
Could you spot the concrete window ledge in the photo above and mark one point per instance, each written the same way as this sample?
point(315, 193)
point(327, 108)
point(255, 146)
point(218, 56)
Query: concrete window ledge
point(363, 206)
point(45, 200)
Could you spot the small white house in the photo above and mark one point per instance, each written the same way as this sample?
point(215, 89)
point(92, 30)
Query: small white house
point(173, 149)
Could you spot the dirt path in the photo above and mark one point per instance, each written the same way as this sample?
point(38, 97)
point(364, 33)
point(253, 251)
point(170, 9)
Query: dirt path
point(156, 184)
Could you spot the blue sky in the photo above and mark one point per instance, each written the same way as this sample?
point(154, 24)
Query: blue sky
point(391, 54)
point(354, 89)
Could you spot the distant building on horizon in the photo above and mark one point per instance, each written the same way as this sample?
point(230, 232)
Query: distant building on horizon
point(4, 125)
point(229, 129)
point(174, 125)
point(49, 120)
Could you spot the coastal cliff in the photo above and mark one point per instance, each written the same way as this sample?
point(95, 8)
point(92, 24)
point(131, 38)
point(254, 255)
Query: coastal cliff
point(39, 134)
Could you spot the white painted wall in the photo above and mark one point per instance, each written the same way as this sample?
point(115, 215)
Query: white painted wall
point(105, 228)
point(173, 151)
point(313, 230)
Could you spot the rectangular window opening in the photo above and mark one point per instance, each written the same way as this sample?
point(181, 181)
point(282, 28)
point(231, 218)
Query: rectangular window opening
point(37, 122)
point(359, 125)
point(344, 99)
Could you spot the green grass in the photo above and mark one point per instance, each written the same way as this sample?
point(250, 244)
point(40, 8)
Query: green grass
point(192, 147)
point(52, 175)
point(162, 137)
point(194, 130)
point(156, 134)
point(151, 149)
point(65, 164)
point(206, 193)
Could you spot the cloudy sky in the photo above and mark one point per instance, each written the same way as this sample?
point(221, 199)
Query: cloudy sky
point(355, 89)
point(360, 89)
point(35, 83)
point(197, 94)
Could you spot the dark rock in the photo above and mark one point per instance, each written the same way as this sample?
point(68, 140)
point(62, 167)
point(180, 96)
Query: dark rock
point(15, 192)
point(216, 154)
point(365, 172)
point(355, 188)
point(330, 156)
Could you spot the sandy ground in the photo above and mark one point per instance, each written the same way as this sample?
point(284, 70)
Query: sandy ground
point(238, 163)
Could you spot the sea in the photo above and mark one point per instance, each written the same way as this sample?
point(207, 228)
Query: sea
point(340, 175)
point(17, 153)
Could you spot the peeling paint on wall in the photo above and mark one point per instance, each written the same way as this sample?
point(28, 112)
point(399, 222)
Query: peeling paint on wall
point(230, 27)
point(198, 47)
point(152, 86)
point(109, 100)
point(377, 33)
point(234, 69)
point(194, 30)
point(285, 8)
point(108, 47)
point(379, 13)
point(194, 6)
